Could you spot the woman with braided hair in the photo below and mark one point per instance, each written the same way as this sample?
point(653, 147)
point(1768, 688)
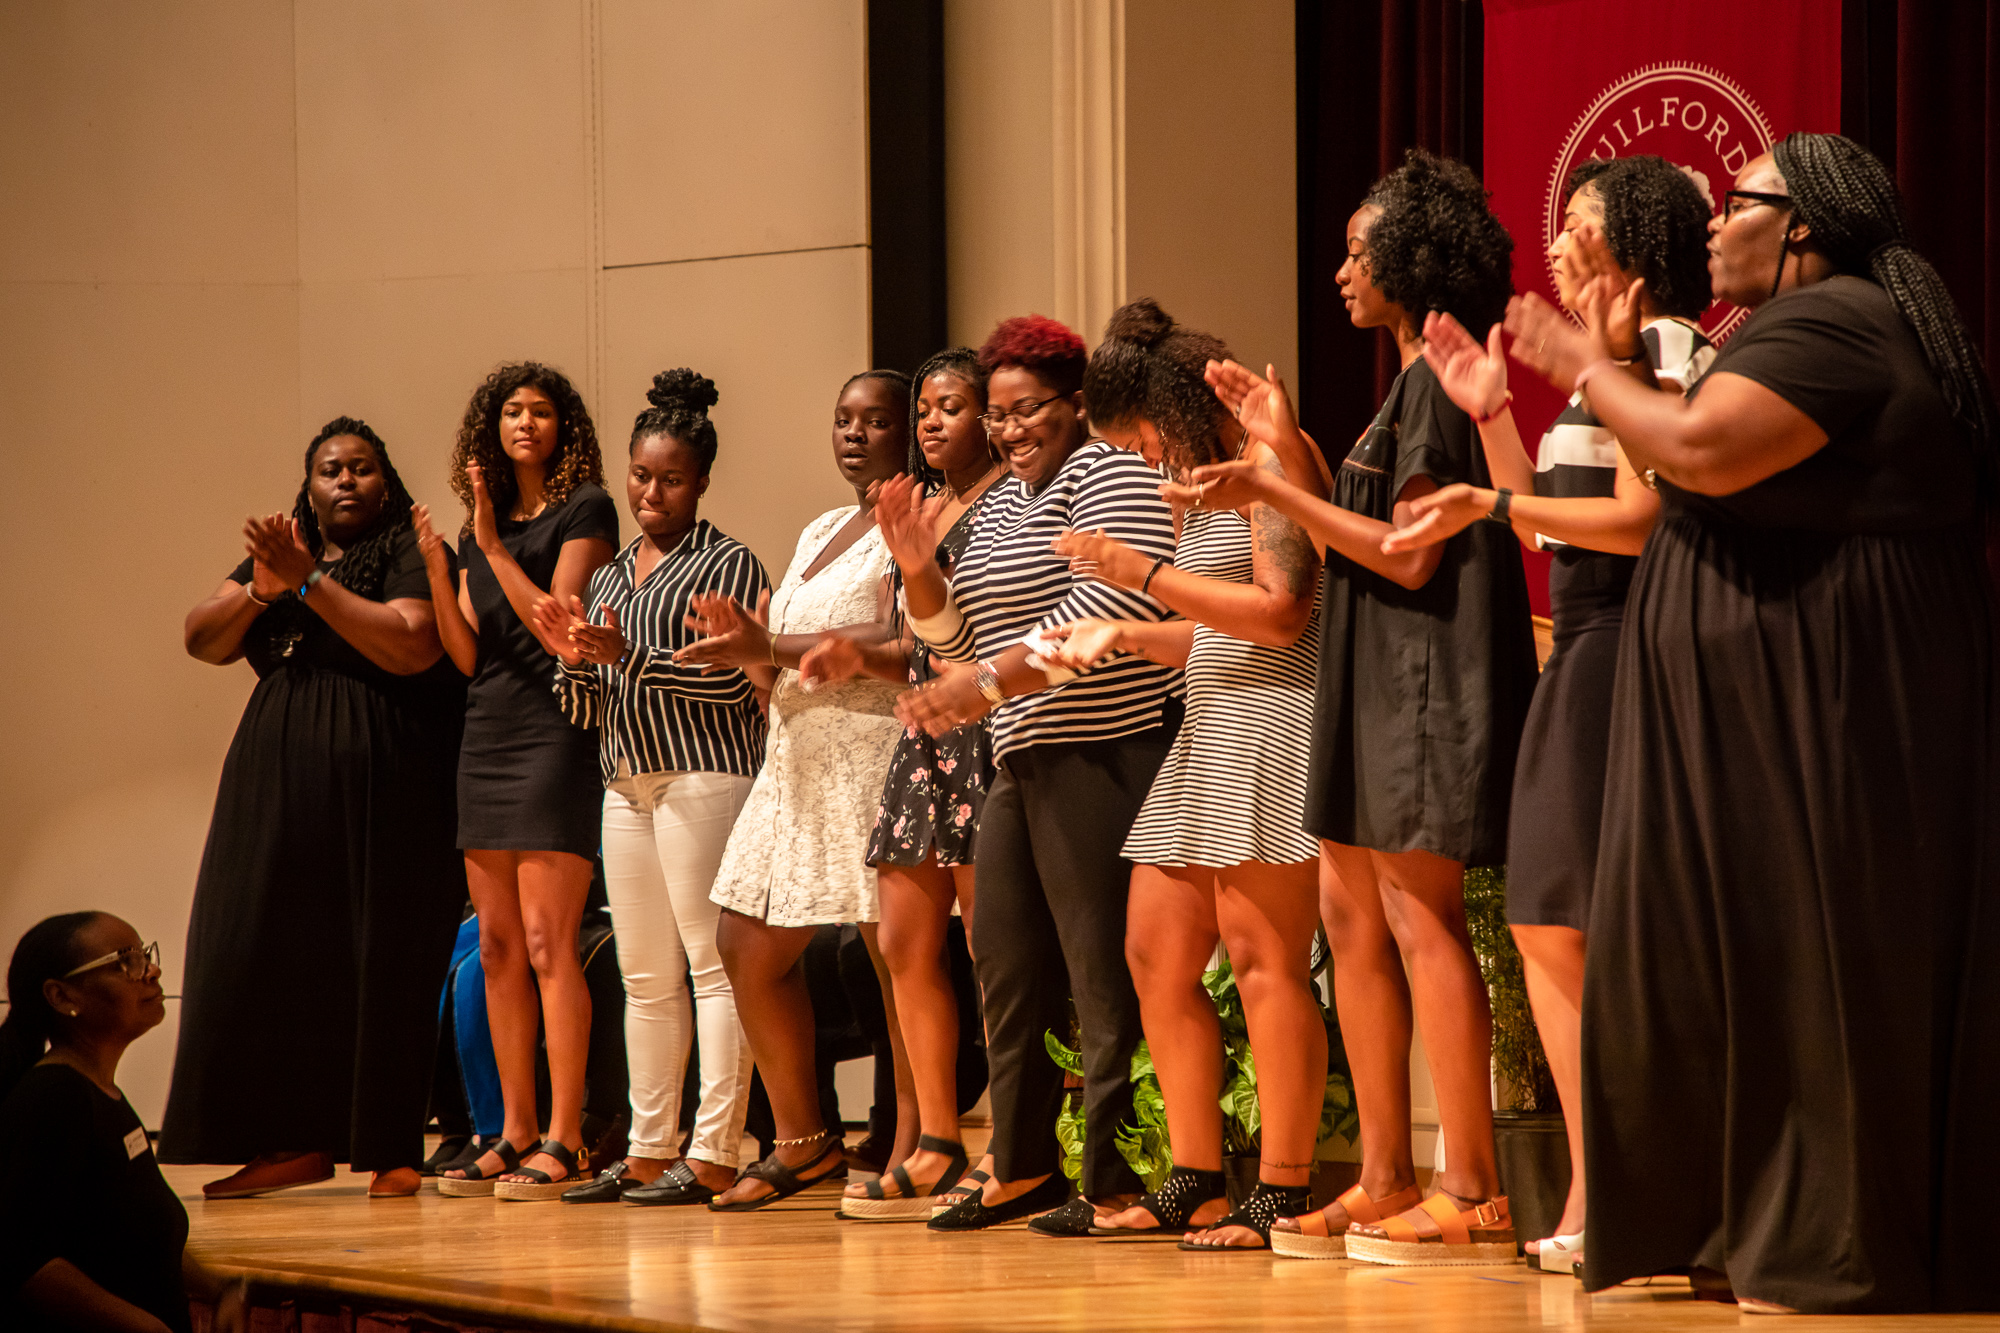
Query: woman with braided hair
point(330, 889)
point(1787, 1056)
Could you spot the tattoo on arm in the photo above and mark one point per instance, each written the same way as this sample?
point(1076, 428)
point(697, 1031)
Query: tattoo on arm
point(1286, 545)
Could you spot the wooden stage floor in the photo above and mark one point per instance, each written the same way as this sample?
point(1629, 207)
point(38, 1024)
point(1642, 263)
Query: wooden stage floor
point(794, 1266)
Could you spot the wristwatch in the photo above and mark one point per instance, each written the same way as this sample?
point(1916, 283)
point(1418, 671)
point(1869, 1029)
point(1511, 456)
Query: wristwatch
point(312, 580)
point(1501, 504)
point(987, 681)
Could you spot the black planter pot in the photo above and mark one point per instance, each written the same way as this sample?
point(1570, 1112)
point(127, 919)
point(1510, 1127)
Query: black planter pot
point(1532, 1151)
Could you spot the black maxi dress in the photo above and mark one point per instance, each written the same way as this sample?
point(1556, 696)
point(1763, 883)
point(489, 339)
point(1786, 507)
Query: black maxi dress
point(1789, 1066)
point(1422, 692)
point(528, 780)
point(328, 899)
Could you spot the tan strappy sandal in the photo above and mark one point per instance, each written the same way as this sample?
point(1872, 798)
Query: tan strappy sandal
point(1439, 1233)
point(1317, 1238)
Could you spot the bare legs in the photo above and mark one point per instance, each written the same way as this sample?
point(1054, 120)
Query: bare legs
point(1552, 958)
point(530, 904)
point(1381, 912)
point(1264, 916)
point(766, 972)
point(923, 1009)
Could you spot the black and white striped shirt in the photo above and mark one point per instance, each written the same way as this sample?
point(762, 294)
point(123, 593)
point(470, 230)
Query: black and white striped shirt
point(1578, 455)
point(652, 714)
point(1009, 583)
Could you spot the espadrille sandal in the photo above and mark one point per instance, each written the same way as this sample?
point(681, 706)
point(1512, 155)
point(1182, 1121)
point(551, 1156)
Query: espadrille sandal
point(907, 1204)
point(1263, 1206)
point(1314, 1235)
point(1177, 1199)
point(473, 1184)
point(540, 1186)
point(1440, 1232)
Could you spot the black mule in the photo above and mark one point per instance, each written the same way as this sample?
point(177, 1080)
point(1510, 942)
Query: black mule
point(1075, 1218)
point(1259, 1209)
point(974, 1215)
point(1177, 1199)
point(677, 1187)
point(784, 1180)
point(613, 1183)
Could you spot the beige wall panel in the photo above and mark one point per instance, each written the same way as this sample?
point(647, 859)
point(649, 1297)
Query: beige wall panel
point(406, 356)
point(1211, 170)
point(779, 335)
point(442, 137)
point(999, 185)
point(146, 142)
point(172, 411)
point(732, 129)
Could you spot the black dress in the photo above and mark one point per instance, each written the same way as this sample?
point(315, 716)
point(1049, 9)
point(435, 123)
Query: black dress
point(327, 902)
point(935, 787)
point(1785, 1073)
point(1421, 691)
point(78, 1181)
point(527, 779)
point(1559, 777)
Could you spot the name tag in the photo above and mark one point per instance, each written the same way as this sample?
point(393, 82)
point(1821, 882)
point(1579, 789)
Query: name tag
point(135, 1144)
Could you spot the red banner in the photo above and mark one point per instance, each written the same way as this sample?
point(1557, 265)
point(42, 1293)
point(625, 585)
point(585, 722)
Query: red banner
point(1706, 84)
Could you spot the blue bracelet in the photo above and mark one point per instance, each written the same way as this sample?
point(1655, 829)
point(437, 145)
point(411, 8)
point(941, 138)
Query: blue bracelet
point(311, 579)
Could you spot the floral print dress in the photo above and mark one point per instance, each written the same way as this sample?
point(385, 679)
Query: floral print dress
point(935, 787)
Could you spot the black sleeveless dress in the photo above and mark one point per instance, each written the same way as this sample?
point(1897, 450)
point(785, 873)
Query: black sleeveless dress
point(1791, 1032)
point(327, 902)
point(1421, 691)
point(527, 779)
point(1559, 778)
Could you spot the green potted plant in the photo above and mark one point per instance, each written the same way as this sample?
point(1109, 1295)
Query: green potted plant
point(1529, 1141)
point(1144, 1143)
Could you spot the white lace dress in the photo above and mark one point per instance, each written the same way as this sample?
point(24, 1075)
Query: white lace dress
point(797, 855)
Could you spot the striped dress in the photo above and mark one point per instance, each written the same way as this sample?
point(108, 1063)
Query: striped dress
point(1233, 787)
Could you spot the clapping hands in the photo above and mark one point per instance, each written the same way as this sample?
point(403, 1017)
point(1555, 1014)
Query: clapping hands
point(279, 552)
point(731, 635)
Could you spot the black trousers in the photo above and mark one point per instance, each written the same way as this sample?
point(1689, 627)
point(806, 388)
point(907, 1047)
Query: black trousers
point(1051, 889)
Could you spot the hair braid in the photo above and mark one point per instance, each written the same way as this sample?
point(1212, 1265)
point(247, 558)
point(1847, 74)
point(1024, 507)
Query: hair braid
point(364, 565)
point(962, 362)
point(1843, 192)
point(1150, 367)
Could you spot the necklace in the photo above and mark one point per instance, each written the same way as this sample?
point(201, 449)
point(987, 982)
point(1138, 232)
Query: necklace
point(957, 492)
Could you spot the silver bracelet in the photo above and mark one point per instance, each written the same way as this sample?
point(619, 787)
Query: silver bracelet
point(986, 680)
point(253, 596)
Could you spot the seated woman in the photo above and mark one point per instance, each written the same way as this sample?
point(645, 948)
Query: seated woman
point(91, 1233)
point(329, 891)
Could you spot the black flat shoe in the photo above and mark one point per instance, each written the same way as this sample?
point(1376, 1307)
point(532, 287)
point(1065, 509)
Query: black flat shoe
point(449, 1150)
point(1072, 1219)
point(974, 1215)
point(677, 1186)
point(612, 1183)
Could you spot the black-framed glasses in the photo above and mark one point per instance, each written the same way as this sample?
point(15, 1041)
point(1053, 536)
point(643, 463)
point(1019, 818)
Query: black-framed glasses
point(1750, 199)
point(134, 963)
point(1020, 415)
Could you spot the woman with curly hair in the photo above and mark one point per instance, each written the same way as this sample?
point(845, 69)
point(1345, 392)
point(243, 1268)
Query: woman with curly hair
point(929, 813)
point(529, 472)
point(329, 890)
point(1076, 753)
point(1426, 665)
point(1644, 222)
point(677, 748)
point(1218, 852)
point(1790, 1015)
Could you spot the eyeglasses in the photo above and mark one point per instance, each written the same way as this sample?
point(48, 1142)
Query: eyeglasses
point(134, 963)
point(996, 422)
point(1750, 199)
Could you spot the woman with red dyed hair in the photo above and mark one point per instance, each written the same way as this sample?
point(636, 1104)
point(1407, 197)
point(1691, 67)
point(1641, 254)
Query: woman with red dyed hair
point(1077, 753)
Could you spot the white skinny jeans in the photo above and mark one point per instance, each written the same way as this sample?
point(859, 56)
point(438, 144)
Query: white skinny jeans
point(663, 840)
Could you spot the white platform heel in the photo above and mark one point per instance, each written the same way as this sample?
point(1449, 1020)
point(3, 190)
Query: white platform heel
point(1559, 1254)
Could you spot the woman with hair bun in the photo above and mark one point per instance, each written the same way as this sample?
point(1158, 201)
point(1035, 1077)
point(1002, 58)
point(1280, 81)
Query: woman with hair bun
point(1644, 223)
point(1426, 665)
point(529, 472)
point(677, 748)
point(795, 860)
point(1218, 851)
point(1790, 1016)
point(329, 892)
point(91, 1235)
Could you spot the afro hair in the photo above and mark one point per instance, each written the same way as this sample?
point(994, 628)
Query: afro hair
point(1436, 244)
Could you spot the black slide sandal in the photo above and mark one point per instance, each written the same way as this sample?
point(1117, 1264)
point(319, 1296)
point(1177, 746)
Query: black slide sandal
point(907, 1205)
point(473, 1185)
point(540, 1185)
